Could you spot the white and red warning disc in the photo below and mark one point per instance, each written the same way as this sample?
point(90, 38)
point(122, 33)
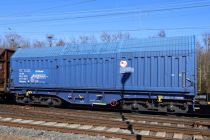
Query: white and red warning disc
point(123, 63)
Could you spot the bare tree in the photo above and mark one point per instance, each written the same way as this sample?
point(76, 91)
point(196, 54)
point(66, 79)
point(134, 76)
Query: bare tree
point(1, 42)
point(60, 43)
point(206, 40)
point(83, 39)
point(38, 44)
point(73, 41)
point(13, 40)
point(87, 39)
point(108, 37)
point(92, 39)
point(25, 44)
point(204, 65)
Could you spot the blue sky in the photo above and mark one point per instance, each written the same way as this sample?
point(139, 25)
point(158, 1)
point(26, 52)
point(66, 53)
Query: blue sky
point(33, 19)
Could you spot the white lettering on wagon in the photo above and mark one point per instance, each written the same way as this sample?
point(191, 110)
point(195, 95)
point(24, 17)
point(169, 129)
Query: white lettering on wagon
point(24, 76)
point(39, 76)
point(32, 76)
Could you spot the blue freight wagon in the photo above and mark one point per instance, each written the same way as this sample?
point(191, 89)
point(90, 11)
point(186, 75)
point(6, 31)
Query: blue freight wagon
point(143, 74)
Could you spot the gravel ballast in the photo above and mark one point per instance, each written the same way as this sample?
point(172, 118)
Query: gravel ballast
point(46, 135)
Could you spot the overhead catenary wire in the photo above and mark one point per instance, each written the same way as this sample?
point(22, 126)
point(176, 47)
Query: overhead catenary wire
point(72, 14)
point(111, 20)
point(25, 15)
point(112, 14)
point(50, 8)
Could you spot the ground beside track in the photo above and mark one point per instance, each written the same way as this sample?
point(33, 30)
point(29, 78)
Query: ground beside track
point(16, 133)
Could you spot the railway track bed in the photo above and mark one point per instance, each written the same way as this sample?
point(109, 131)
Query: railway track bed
point(108, 124)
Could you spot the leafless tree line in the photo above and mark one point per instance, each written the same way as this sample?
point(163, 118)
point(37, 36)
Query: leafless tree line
point(13, 40)
point(203, 62)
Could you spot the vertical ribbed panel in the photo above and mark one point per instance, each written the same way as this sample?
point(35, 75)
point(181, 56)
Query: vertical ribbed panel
point(160, 64)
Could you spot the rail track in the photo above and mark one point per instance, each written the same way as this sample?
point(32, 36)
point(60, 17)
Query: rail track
point(109, 124)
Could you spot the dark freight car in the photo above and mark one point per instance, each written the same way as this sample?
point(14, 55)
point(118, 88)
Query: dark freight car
point(163, 70)
point(5, 55)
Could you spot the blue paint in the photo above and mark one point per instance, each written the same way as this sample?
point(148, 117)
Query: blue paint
point(158, 65)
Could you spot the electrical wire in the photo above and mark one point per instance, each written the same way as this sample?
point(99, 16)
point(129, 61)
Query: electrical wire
point(112, 14)
point(28, 13)
point(97, 11)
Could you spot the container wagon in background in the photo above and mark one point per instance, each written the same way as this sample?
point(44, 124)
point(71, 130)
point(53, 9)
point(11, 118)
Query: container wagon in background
point(141, 74)
point(5, 55)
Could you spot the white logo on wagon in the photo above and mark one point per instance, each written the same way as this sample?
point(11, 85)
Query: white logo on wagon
point(123, 63)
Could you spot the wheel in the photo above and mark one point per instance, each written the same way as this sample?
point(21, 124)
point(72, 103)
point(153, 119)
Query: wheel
point(56, 101)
